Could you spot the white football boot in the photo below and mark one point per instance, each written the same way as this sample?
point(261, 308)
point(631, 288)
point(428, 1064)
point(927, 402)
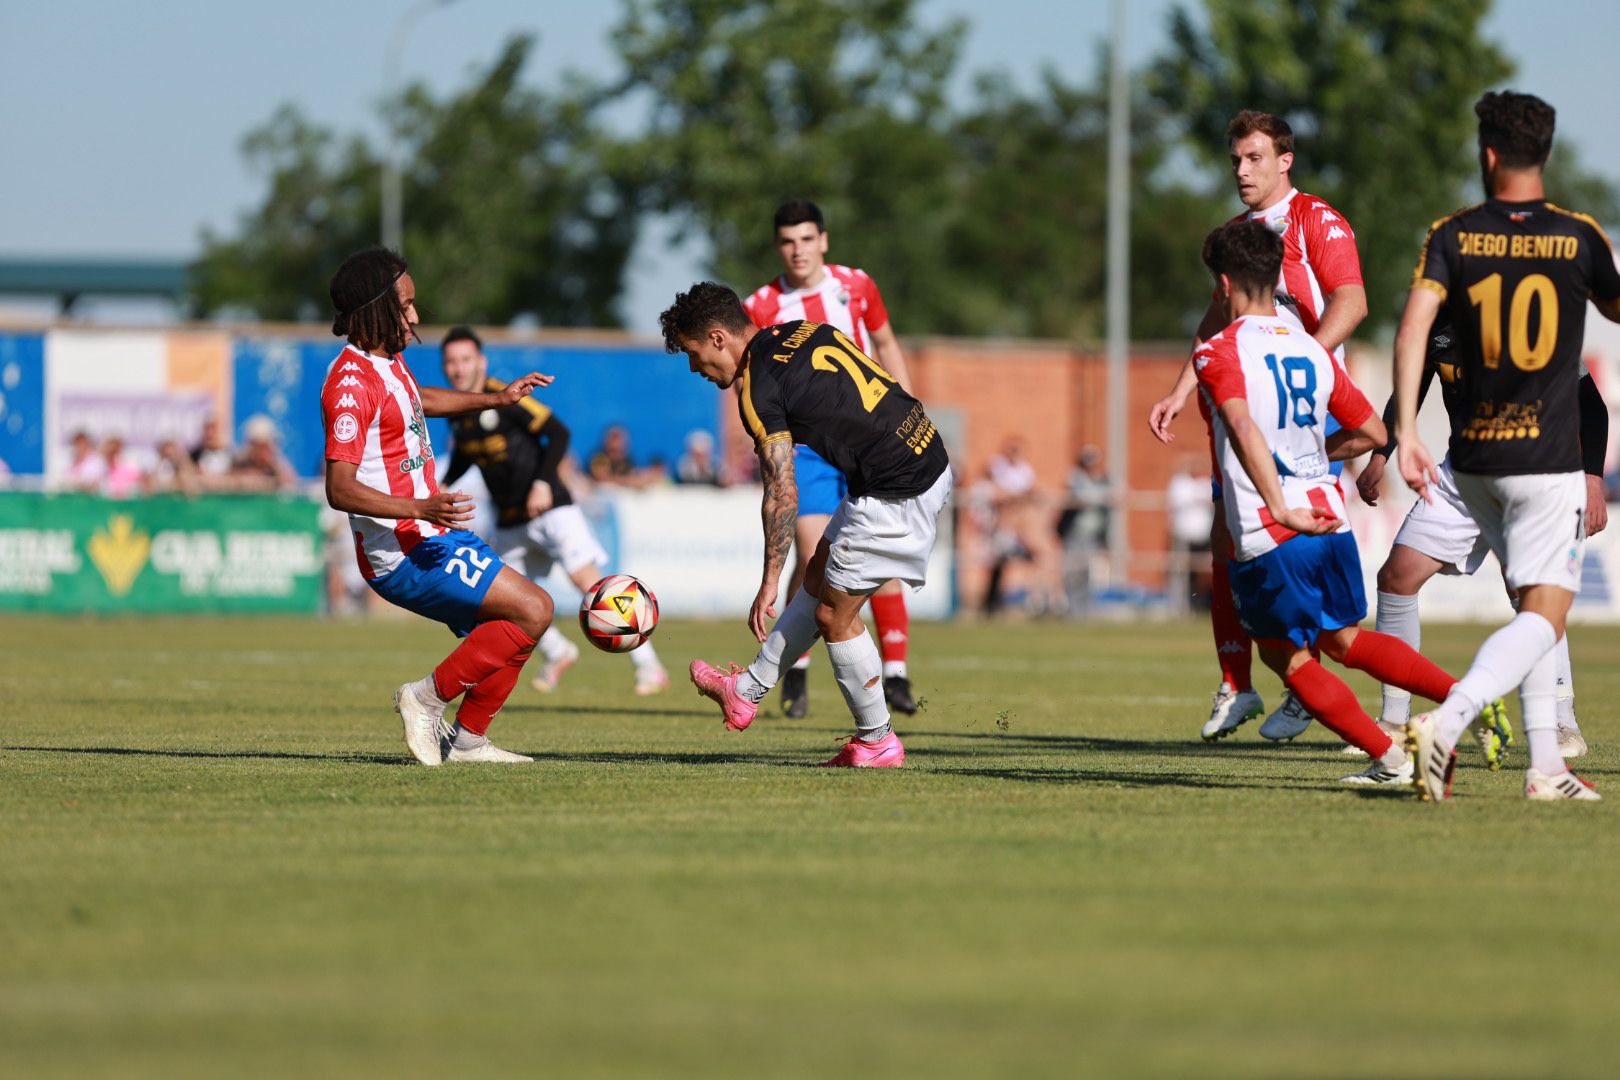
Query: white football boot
point(1571, 743)
point(1433, 761)
point(551, 672)
point(1539, 787)
point(652, 679)
point(421, 725)
point(486, 752)
point(1288, 722)
point(1394, 731)
point(1378, 774)
point(1232, 710)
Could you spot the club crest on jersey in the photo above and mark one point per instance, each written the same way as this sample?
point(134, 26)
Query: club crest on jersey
point(417, 426)
point(843, 297)
point(1280, 226)
point(345, 427)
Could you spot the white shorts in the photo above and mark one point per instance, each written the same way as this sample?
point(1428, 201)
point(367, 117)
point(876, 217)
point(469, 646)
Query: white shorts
point(1535, 523)
point(556, 536)
point(871, 541)
point(1443, 529)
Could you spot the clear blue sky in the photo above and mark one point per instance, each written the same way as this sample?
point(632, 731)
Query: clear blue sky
point(120, 122)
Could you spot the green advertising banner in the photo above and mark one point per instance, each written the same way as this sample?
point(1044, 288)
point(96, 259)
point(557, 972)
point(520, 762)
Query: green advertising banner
point(235, 553)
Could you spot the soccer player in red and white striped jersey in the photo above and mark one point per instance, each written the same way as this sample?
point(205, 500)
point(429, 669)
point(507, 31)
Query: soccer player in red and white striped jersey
point(410, 538)
point(1320, 289)
point(813, 289)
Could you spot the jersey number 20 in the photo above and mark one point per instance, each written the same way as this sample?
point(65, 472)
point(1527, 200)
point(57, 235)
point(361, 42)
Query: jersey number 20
point(1295, 377)
point(872, 388)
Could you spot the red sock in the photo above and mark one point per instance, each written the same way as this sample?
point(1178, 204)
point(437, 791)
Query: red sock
point(1391, 660)
point(481, 653)
point(483, 701)
point(1335, 705)
point(893, 625)
point(1233, 650)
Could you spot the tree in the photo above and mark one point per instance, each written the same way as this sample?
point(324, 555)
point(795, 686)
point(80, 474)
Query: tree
point(1380, 95)
point(509, 208)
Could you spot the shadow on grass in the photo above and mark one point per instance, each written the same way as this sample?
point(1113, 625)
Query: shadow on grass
point(1118, 778)
point(1156, 747)
point(546, 709)
point(347, 757)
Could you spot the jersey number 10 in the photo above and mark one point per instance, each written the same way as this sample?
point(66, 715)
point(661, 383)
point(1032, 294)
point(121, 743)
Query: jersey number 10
point(1526, 355)
point(850, 359)
point(1295, 377)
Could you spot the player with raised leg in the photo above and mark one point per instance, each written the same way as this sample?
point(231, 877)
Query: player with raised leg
point(1439, 537)
point(1295, 571)
point(1319, 289)
point(1514, 275)
point(519, 449)
point(807, 382)
point(409, 536)
point(847, 299)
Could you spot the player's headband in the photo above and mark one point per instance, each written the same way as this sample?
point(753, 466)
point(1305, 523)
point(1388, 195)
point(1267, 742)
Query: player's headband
point(386, 290)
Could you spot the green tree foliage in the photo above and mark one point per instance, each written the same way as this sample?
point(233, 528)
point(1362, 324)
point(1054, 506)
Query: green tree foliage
point(509, 208)
point(1380, 96)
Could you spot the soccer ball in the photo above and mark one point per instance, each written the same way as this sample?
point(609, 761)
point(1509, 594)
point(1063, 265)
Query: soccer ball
point(618, 613)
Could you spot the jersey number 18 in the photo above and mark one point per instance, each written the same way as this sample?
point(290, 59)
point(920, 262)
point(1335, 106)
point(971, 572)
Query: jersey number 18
point(1295, 377)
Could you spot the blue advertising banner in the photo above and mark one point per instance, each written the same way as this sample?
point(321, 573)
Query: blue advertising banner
point(22, 403)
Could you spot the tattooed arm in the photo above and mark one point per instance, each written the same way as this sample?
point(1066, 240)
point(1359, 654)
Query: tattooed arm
point(779, 510)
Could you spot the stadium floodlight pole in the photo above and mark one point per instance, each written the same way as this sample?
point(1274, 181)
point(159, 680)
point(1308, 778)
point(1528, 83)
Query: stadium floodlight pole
point(393, 182)
point(1119, 277)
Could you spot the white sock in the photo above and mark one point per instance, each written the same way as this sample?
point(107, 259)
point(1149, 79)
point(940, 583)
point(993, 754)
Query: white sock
point(1539, 715)
point(1501, 664)
point(553, 646)
point(644, 656)
point(466, 740)
point(1398, 617)
point(858, 668)
point(427, 692)
point(794, 632)
point(894, 669)
point(802, 663)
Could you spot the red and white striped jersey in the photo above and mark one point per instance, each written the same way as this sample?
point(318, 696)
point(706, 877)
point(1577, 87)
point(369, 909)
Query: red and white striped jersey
point(846, 298)
point(1319, 255)
point(1291, 385)
point(372, 411)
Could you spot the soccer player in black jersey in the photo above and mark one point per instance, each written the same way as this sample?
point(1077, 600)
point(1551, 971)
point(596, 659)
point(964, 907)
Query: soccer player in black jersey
point(1514, 275)
point(1440, 537)
point(519, 450)
point(806, 382)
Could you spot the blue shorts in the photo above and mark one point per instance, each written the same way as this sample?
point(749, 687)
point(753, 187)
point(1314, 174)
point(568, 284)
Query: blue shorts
point(1300, 588)
point(444, 578)
point(822, 488)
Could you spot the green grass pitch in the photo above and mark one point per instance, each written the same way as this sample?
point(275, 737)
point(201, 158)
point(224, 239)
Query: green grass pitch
point(215, 860)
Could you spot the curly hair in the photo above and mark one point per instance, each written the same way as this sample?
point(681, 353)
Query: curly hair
point(1519, 127)
point(1248, 252)
point(702, 307)
point(368, 309)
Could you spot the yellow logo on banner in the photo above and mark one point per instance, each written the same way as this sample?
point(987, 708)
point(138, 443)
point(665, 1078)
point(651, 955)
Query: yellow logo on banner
point(119, 552)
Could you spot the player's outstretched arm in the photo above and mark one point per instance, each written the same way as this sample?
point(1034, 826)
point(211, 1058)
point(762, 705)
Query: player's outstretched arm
point(1167, 408)
point(779, 511)
point(1411, 346)
point(1255, 457)
point(438, 401)
point(344, 491)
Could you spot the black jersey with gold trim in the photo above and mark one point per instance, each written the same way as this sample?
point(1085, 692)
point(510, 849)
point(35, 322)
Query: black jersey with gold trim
point(807, 382)
point(1515, 278)
point(513, 446)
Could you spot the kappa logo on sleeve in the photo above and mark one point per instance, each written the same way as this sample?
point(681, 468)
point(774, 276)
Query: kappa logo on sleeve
point(349, 380)
point(347, 402)
point(349, 366)
point(1336, 233)
point(345, 427)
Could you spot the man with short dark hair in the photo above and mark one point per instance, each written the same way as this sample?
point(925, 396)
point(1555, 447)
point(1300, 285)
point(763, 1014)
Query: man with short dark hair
point(1318, 288)
point(519, 449)
point(848, 299)
point(1514, 275)
point(807, 382)
point(1295, 570)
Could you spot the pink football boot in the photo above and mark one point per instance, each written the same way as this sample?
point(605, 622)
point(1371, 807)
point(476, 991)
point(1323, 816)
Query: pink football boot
point(887, 753)
point(721, 687)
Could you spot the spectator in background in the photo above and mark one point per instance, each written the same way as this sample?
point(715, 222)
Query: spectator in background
point(121, 477)
point(612, 464)
point(698, 465)
point(174, 470)
point(1029, 517)
point(261, 466)
point(213, 455)
point(86, 468)
point(1190, 514)
point(1083, 525)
